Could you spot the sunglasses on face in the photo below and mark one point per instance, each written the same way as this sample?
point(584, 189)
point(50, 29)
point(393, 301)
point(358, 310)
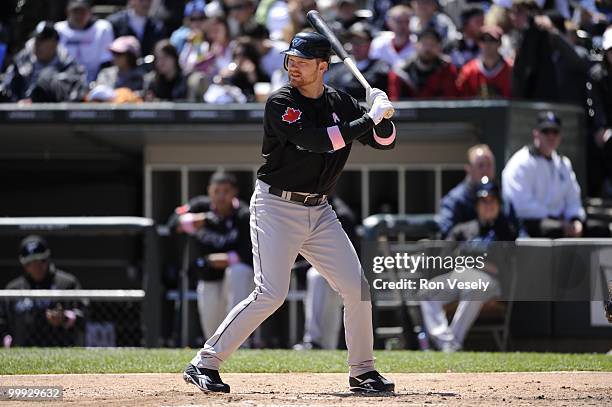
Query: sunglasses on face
point(548, 132)
point(197, 18)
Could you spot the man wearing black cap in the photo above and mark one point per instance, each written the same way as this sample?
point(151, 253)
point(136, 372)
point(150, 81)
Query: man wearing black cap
point(33, 322)
point(219, 222)
point(309, 129)
point(33, 76)
point(542, 186)
point(491, 225)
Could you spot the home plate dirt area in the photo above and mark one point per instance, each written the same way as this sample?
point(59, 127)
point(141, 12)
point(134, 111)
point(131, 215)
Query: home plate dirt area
point(326, 389)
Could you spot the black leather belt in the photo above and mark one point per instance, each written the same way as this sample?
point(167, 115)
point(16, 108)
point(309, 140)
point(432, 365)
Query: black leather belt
point(304, 199)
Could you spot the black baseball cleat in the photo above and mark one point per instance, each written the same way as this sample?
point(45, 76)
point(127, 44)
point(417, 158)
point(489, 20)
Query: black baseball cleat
point(205, 379)
point(371, 382)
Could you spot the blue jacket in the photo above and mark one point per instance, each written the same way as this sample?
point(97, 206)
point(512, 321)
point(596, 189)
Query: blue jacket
point(459, 206)
point(456, 207)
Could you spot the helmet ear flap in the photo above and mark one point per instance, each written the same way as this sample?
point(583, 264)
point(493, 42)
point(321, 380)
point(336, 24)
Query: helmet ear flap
point(286, 63)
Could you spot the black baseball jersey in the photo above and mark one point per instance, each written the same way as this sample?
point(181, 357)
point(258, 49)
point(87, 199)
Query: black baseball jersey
point(308, 141)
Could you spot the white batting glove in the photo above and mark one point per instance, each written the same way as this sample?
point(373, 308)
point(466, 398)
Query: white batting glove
point(374, 93)
point(381, 109)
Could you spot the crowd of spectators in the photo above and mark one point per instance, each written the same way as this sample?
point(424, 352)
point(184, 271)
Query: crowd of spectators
point(223, 51)
point(527, 49)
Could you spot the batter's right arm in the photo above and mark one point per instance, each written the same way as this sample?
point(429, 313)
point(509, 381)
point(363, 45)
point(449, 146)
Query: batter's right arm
point(287, 121)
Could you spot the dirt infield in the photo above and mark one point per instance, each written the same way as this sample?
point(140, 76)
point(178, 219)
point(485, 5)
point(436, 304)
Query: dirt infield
point(484, 389)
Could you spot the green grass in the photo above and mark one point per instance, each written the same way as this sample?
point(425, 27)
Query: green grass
point(80, 360)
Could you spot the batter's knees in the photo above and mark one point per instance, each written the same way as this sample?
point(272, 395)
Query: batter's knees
point(271, 299)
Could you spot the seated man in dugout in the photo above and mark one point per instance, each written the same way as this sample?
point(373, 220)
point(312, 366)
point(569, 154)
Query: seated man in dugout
point(490, 225)
point(542, 187)
point(40, 321)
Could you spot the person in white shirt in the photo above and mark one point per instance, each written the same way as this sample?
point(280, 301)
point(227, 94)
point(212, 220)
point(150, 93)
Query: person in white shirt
point(396, 45)
point(85, 38)
point(542, 186)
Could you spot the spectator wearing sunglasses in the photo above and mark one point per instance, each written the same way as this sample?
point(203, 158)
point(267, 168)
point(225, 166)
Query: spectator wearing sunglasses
point(541, 184)
point(487, 76)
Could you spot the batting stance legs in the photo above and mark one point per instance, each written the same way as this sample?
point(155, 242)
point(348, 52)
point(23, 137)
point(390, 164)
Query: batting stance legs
point(279, 231)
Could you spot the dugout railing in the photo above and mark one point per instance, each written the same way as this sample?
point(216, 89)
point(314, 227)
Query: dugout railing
point(140, 308)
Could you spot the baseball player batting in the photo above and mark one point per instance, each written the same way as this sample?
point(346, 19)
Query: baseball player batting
point(309, 129)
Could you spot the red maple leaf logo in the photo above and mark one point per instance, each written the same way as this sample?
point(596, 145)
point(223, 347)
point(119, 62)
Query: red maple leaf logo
point(292, 115)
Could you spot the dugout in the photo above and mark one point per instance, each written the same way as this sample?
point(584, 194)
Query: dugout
point(116, 254)
point(143, 160)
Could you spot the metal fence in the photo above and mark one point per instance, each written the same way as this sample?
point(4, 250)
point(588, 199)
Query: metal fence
point(109, 318)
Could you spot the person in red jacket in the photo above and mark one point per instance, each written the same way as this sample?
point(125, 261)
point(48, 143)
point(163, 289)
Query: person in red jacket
point(428, 74)
point(489, 75)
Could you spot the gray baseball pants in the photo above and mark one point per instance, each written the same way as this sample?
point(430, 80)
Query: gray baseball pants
point(281, 229)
